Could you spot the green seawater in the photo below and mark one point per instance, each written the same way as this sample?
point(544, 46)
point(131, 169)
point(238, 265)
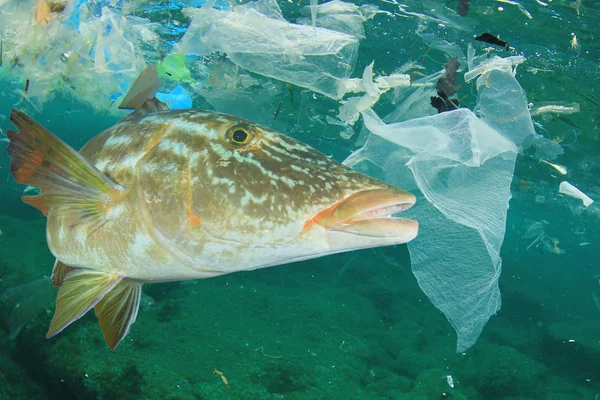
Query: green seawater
point(354, 325)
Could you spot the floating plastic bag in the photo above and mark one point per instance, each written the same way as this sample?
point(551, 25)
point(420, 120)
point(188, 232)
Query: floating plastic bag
point(257, 38)
point(460, 165)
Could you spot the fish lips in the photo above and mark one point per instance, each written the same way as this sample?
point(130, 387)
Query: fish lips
point(369, 213)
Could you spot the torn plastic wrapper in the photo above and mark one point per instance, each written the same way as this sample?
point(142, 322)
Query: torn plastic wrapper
point(569, 190)
point(353, 106)
point(460, 166)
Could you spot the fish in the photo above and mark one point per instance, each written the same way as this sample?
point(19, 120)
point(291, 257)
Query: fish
point(172, 195)
point(561, 170)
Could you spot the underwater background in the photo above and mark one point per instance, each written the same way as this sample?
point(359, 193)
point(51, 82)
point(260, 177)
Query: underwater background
point(349, 326)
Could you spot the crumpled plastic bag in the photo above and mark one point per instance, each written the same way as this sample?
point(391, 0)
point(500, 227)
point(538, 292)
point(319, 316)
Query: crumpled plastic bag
point(257, 38)
point(460, 166)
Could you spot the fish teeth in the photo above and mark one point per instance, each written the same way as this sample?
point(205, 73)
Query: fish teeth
point(386, 211)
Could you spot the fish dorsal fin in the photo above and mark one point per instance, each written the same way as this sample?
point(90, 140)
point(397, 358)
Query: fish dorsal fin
point(141, 95)
point(144, 87)
point(149, 106)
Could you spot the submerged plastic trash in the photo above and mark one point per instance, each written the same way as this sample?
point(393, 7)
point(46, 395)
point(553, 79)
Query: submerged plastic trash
point(462, 165)
point(176, 98)
point(173, 68)
point(257, 38)
point(353, 106)
point(567, 189)
point(90, 51)
point(541, 239)
point(340, 16)
point(565, 109)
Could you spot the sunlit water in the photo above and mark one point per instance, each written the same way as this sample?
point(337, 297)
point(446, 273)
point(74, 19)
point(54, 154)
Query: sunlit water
point(349, 326)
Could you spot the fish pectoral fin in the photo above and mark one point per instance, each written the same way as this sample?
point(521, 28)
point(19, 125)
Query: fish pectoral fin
point(68, 183)
point(117, 311)
point(59, 272)
point(80, 291)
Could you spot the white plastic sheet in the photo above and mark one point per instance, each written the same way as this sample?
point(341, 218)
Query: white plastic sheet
point(460, 164)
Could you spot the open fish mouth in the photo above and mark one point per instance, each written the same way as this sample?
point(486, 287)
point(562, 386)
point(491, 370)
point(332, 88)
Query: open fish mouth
point(369, 213)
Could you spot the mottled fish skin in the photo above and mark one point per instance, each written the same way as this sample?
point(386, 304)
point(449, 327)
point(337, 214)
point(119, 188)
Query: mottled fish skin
point(198, 206)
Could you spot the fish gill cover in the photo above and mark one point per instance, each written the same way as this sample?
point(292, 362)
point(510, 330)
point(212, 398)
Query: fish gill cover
point(241, 58)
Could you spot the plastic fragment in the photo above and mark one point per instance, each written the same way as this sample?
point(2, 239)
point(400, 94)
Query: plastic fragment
point(351, 108)
point(177, 98)
point(569, 190)
point(564, 109)
point(340, 16)
point(519, 5)
point(313, 11)
point(173, 68)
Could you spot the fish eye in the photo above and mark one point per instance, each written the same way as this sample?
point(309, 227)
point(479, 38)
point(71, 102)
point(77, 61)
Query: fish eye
point(239, 136)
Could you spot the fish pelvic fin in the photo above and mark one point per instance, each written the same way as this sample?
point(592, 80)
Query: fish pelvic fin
point(81, 290)
point(118, 310)
point(59, 272)
point(68, 183)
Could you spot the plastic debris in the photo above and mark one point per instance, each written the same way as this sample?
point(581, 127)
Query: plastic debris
point(353, 106)
point(446, 87)
point(565, 109)
point(340, 16)
point(176, 98)
point(174, 68)
point(519, 5)
point(462, 165)
point(541, 240)
point(91, 51)
point(546, 148)
point(313, 11)
point(257, 38)
point(569, 190)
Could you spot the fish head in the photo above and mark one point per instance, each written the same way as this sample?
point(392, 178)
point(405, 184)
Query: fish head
point(264, 198)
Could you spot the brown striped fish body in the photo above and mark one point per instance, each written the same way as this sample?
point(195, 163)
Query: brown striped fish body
point(198, 205)
point(186, 194)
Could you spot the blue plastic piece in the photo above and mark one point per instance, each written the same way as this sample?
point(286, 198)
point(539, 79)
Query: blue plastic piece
point(176, 99)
